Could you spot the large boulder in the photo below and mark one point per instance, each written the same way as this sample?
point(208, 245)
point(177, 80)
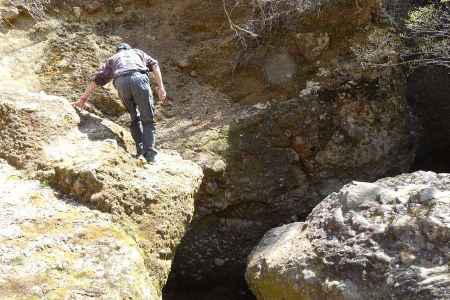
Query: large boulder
point(53, 248)
point(88, 159)
point(384, 240)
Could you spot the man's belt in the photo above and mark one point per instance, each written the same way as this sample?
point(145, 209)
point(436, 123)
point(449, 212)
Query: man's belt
point(126, 73)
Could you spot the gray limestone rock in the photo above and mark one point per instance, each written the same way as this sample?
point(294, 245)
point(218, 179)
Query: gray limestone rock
point(384, 240)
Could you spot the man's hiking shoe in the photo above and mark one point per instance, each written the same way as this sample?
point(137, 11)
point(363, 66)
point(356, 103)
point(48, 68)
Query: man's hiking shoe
point(150, 157)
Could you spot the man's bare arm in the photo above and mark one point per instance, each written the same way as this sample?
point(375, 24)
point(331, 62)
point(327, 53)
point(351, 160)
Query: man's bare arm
point(85, 97)
point(159, 81)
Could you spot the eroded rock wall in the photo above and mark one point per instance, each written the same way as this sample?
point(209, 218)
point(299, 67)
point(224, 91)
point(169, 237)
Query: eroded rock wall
point(349, 120)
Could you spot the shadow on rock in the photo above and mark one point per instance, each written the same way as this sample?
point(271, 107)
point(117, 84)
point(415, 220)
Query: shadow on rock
point(428, 90)
point(98, 129)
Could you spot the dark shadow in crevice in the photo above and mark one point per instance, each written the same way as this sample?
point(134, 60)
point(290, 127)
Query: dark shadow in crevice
point(428, 95)
point(261, 187)
point(182, 286)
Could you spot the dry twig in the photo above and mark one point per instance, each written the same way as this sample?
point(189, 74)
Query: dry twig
point(236, 27)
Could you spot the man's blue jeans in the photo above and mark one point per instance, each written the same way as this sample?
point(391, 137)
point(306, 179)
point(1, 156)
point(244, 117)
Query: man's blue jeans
point(136, 94)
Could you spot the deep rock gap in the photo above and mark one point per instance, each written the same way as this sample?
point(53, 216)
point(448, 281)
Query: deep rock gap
point(427, 93)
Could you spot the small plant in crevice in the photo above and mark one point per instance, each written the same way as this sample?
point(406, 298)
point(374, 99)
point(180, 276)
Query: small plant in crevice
point(427, 35)
point(35, 8)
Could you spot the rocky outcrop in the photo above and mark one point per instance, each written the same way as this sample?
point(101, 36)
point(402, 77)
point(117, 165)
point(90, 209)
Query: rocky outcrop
point(294, 40)
point(384, 240)
point(284, 159)
point(86, 158)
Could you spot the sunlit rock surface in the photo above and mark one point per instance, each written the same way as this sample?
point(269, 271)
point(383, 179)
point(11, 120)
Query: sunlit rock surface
point(51, 247)
point(88, 159)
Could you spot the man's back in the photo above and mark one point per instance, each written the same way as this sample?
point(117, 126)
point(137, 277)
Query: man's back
point(129, 60)
point(124, 62)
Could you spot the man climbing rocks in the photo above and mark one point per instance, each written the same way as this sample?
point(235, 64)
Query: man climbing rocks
point(128, 69)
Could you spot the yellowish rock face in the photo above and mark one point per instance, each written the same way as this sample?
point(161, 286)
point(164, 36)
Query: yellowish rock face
point(53, 248)
point(86, 158)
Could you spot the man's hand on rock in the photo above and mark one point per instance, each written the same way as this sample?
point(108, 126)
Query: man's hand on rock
point(81, 103)
point(162, 94)
point(85, 97)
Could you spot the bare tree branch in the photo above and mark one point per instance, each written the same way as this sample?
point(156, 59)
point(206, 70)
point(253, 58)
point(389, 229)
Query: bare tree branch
point(234, 26)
